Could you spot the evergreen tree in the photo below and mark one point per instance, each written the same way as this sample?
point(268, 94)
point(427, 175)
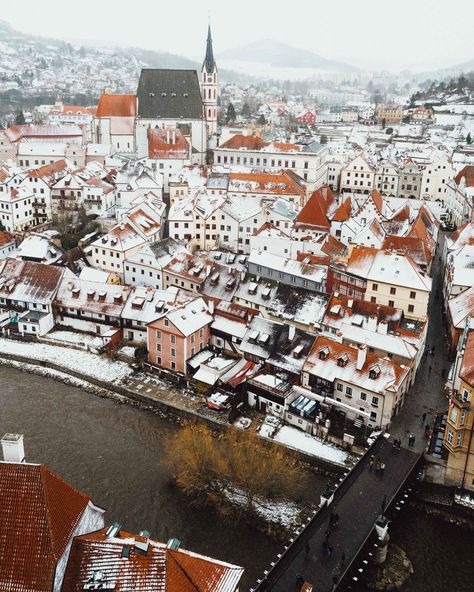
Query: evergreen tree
point(246, 113)
point(230, 115)
point(19, 118)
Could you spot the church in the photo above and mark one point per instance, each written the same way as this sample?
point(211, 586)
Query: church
point(177, 98)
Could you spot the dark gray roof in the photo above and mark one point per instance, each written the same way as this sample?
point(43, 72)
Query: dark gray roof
point(169, 94)
point(209, 62)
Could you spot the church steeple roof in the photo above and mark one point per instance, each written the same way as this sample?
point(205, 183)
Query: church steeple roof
point(209, 62)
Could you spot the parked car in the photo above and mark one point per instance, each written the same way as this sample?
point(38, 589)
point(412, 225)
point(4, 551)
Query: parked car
point(243, 422)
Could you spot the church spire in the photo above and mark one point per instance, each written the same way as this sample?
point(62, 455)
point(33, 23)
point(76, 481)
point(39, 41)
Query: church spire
point(209, 62)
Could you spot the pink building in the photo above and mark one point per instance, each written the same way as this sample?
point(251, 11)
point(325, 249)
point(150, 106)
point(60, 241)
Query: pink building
point(178, 335)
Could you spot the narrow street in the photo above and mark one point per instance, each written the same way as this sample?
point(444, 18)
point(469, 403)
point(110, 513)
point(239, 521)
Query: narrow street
point(427, 395)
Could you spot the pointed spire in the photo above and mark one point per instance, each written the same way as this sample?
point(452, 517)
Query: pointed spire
point(209, 62)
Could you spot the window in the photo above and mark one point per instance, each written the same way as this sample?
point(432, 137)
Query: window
point(158, 360)
point(459, 439)
point(454, 414)
point(463, 416)
point(412, 294)
point(411, 308)
point(167, 323)
point(375, 401)
point(375, 287)
point(173, 338)
point(173, 352)
point(450, 436)
point(465, 396)
point(173, 366)
point(339, 386)
point(348, 391)
point(158, 334)
point(363, 396)
point(373, 416)
point(391, 303)
point(158, 347)
point(373, 299)
point(393, 291)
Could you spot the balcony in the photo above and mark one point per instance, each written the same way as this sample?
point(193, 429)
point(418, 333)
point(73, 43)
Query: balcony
point(457, 399)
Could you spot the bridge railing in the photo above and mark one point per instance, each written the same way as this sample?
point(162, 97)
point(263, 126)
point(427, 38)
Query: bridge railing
point(341, 486)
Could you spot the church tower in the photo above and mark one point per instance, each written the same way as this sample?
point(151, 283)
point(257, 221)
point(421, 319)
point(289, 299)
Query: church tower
point(209, 87)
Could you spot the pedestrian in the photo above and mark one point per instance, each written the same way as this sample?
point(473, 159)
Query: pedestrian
point(327, 533)
point(394, 445)
point(331, 518)
point(371, 462)
point(299, 581)
point(423, 417)
point(336, 519)
point(399, 445)
point(384, 502)
point(382, 468)
point(411, 440)
point(427, 434)
point(429, 369)
point(377, 465)
point(307, 549)
point(329, 551)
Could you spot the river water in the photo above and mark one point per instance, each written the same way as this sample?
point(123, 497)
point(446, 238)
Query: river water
point(113, 453)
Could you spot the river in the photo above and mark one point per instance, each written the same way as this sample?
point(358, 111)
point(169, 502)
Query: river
point(113, 451)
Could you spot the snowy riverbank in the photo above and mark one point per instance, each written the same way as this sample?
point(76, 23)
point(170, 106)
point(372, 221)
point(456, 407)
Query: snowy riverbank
point(93, 365)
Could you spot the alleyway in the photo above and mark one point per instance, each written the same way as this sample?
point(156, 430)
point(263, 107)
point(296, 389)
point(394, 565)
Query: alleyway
point(427, 395)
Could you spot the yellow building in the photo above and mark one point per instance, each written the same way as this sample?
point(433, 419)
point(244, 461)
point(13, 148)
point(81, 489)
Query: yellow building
point(392, 279)
point(458, 436)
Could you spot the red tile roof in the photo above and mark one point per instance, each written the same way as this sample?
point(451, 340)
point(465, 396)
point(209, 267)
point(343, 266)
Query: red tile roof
point(161, 144)
point(117, 106)
point(468, 173)
point(38, 515)
point(408, 245)
point(160, 568)
point(315, 213)
point(283, 183)
point(239, 141)
point(5, 237)
point(343, 211)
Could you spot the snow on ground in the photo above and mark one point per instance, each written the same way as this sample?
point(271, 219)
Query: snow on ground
point(295, 438)
point(70, 337)
point(127, 351)
point(280, 512)
point(98, 367)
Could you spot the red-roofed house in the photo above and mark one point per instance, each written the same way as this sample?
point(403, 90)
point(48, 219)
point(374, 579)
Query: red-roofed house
point(7, 244)
point(308, 161)
point(136, 562)
point(312, 220)
point(358, 383)
point(114, 122)
point(39, 516)
point(168, 152)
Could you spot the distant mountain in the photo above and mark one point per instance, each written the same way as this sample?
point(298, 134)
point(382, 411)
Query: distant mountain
point(278, 54)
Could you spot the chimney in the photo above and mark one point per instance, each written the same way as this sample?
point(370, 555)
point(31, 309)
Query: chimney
point(12, 447)
point(210, 306)
point(361, 355)
point(382, 328)
point(372, 323)
point(174, 136)
point(291, 332)
point(167, 136)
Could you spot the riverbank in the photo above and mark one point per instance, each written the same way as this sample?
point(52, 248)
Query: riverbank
point(118, 381)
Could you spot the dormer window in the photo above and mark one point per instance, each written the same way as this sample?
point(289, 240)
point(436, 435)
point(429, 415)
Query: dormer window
point(374, 372)
point(323, 353)
point(342, 360)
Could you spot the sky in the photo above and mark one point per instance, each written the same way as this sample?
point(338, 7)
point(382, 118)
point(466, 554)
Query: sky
point(372, 34)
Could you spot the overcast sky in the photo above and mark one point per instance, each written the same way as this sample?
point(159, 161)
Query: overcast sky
point(393, 34)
